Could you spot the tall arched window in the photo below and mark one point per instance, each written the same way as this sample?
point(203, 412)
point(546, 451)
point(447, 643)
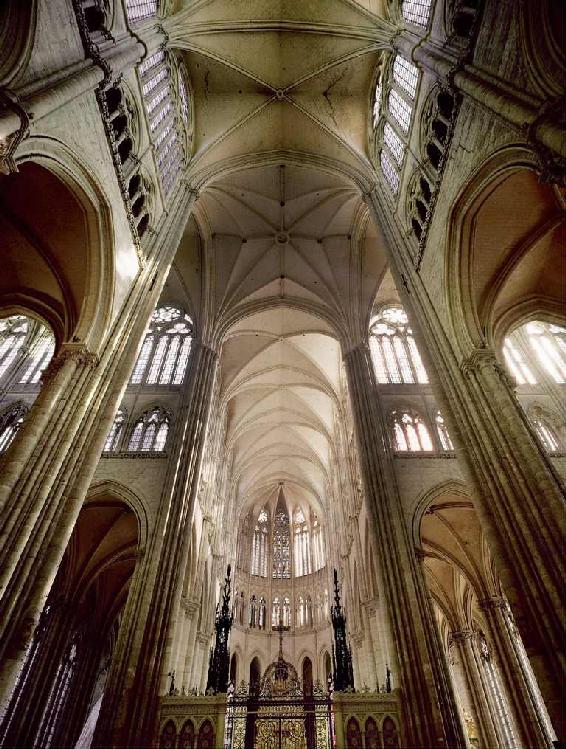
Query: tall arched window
point(410, 433)
point(442, 431)
point(252, 612)
point(396, 358)
point(318, 548)
point(301, 544)
point(276, 612)
point(262, 613)
point(301, 612)
point(13, 332)
point(10, 421)
point(281, 542)
point(150, 431)
point(259, 545)
point(116, 432)
point(286, 612)
point(544, 429)
point(165, 351)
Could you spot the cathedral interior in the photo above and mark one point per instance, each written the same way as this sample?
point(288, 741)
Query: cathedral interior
point(282, 374)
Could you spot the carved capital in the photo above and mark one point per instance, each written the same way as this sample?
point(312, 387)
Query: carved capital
point(493, 603)
point(482, 359)
point(75, 352)
point(461, 635)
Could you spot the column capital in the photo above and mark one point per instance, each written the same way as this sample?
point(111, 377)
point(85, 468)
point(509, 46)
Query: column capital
point(72, 351)
point(462, 635)
point(482, 358)
point(493, 603)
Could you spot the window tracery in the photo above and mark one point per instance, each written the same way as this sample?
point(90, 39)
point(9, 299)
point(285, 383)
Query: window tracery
point(301, 545)
point(167, 114)
point(164, 354)
point(410, 433)
point(116, 432)
point(150, 431)
point(548, 342)
point(10, 421)
point(26, 348)
point(392, 123)
point(396, 358)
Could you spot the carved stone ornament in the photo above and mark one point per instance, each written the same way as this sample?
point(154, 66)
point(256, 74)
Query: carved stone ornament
point(76, 352)
point(482, 358)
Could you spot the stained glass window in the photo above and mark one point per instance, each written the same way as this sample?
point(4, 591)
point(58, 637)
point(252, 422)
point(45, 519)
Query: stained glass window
point(39, 357)
point(548, 342)
point(165, 351)
point(259, 545)
point(114, 437)
point(10, 421)
point(406, 75)
point(410, 433)
point(318, 549)
point(516, 363)
point(261, 613)
point(281, 543)
point(396, 358)
point(276, 613)
point(393, 143)
point(377, 101)
point(150, 431)
point(416, 11)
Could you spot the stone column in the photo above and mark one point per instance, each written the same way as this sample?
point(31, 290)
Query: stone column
point(517, 492)
point(46, 473)
point(129, 708)
point(530, 715)
point(431, 711)
point(462, 640)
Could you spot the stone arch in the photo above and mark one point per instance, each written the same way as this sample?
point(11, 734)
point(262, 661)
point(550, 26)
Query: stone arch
point(495, 278)
point(73, 291)
point(111, 488)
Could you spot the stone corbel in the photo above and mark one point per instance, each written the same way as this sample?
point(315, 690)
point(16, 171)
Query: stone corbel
point(9, 143)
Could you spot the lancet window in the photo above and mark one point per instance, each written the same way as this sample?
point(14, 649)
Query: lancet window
point(301, 545)
point(252, 612)
point(392, 119)
point(317, 545)
point(114, 438)
point(259, 545)
point(276, 612)
point(416, 12)
point(281, 544)
point(410, 433)
point(262, 612)
point(10, 421)
point(137, 10)
point(166, 114)
point(165, 351)
point(396, 358)
point(150, 431)
point(443, 433)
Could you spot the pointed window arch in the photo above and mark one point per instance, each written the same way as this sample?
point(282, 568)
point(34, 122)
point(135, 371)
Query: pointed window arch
point(164, 354)
point(26, 348)
point(410, 433)
point(14, 331)
point(542, 422)
point(395, 355)
point(259, 545)
point(150, 431)
point(10, 421)
point(114, 438)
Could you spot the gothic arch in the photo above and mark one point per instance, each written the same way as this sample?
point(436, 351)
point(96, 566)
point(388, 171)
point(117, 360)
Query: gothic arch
point(76, 293)
point(494, 279)
point(108, 488)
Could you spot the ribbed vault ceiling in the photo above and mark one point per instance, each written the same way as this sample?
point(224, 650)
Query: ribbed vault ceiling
point(282, 98)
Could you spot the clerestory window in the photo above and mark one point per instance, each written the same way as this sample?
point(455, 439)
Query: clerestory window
point(26, 348)
point(409, 432)
point(11, 420)
point(259, 545)
point(395, 356)
point(114, 438)
point(165, 351)
point(416, 12)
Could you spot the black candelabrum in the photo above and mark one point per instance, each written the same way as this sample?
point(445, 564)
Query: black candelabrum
point(341, 651)
point(219, 663)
